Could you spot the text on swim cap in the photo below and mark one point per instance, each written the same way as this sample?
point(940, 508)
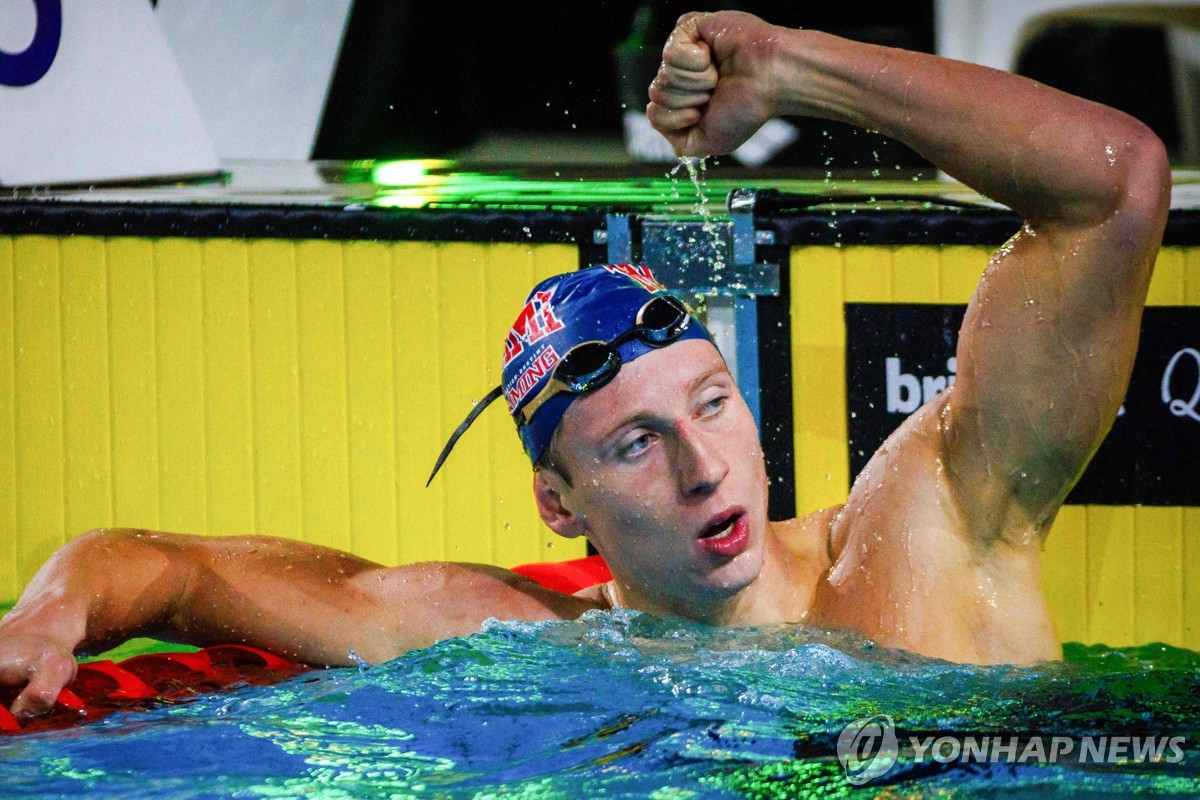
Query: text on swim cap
point(536, 320)
point(541, 366)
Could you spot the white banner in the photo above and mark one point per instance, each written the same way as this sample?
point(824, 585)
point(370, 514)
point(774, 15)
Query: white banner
point(89, 93)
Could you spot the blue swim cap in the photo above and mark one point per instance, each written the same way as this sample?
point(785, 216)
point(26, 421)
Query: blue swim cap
point(593, 304)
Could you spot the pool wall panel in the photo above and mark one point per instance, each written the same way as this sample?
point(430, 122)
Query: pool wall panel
point(179, 378)
point(287, 387)
point(819, 374)
point(133, 387)
point(228, 430)
point(370, 414)
point(303, 388)
point(9, 572)
point(37, 372)
point(1119, 575)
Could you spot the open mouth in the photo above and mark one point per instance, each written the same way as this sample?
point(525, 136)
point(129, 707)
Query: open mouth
point(722, 528)
point(727, 535)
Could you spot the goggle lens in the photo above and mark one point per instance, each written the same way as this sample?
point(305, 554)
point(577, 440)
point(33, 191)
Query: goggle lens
point(588, 366)
point(663, 319)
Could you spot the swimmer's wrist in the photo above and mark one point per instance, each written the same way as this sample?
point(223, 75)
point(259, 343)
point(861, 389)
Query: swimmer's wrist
point(816, 74)
point(55, 620)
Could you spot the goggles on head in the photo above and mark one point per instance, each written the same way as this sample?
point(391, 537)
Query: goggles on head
point(589, 366)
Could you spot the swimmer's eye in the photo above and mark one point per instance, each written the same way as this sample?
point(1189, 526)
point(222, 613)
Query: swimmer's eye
point(714, 405)
point(635, 447)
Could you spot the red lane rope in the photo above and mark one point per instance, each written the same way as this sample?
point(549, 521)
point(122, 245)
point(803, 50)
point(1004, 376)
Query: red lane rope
point(101, 688)
point(567, 576)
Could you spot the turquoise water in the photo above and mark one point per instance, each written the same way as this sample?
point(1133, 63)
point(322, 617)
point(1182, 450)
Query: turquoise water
point(626, 705)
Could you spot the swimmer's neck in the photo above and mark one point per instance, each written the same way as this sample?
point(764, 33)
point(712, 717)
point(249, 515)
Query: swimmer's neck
point(795, 560)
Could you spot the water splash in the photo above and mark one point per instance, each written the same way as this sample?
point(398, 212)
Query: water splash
point(621, 704)
point(697, 171)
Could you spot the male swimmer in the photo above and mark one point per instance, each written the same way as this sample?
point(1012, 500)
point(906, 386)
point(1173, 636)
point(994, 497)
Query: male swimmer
point(642, 444)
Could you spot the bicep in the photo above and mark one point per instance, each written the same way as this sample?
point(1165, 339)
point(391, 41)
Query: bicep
point(288, 596)
point(1044, 357)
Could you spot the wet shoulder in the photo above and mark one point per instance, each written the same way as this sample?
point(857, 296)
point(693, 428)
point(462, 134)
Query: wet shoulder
point(507, 595)
point(430, 601)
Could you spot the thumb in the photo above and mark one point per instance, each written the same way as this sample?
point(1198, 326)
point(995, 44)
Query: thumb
point(46, 680)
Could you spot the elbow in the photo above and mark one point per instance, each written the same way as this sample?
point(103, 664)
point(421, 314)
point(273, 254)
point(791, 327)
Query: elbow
point(1131, 214)
point(1145, 189)
point(121, 548)
point(98, 539)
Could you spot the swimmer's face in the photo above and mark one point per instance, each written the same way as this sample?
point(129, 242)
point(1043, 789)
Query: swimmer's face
point(667, 479)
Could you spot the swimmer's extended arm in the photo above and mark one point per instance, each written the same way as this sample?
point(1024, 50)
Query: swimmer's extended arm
point(1046, 350)
point(309, 603)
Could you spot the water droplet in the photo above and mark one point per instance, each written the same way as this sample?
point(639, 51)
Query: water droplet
point(358, 660)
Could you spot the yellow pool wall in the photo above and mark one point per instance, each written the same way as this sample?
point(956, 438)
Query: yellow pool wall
point(291, 388)
point(304, 388)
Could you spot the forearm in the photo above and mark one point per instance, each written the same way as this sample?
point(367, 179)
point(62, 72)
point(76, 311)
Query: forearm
point(285, 595)
point(1050, 156)
point(106, 586)
point(101, 588)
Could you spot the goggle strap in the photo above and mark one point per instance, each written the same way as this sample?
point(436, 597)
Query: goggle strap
point(466, 423)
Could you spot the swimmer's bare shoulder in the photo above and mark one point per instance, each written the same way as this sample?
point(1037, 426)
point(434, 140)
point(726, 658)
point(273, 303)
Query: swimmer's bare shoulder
point(907, 569)
point(432, 601)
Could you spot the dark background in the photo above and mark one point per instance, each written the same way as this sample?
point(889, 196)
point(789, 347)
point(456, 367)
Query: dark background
point(428, 79)
point(1148, 458)
point(425, 79)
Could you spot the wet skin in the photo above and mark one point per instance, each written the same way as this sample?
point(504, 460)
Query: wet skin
point(937, 546)
point(669, 446)
point(659, 458)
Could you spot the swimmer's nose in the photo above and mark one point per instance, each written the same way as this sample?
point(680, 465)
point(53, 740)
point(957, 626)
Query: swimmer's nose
point(701, 464)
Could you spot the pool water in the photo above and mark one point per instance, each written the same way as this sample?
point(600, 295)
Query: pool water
point(627, 705)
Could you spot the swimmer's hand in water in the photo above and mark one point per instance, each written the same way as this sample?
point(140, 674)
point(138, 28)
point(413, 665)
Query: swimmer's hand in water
point(714, 88)
point(35, 668)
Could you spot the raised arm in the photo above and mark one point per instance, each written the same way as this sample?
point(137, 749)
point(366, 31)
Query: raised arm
point(1046, 350)
point(309, 603)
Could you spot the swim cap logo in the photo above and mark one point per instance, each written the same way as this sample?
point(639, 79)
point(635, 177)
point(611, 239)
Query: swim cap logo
point(642, 275)
point(536, 321)
point(537, 368)
point(868, 748)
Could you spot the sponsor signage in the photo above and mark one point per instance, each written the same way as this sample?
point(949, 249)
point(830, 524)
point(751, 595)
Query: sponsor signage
point(90, 92)
point(898, 356)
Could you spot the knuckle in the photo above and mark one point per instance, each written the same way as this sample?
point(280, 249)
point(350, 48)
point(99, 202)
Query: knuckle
point(60, 661)
point(41, 699)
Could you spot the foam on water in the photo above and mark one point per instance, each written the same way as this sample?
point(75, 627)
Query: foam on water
point(622, 704)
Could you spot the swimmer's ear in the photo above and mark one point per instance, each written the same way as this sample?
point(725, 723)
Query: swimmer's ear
point(548, 490)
